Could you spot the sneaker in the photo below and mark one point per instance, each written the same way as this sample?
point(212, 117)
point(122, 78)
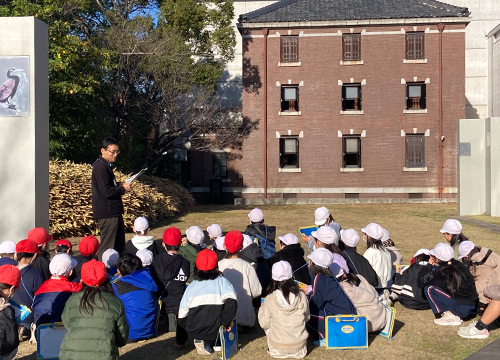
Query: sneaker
point(202, 348)
point(448, 319)
point(21, 333)
point(471, 332)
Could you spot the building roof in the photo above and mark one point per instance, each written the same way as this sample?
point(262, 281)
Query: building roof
point(338, 10)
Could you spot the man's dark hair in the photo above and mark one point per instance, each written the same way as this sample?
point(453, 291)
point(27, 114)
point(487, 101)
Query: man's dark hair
point(128, 263)
point(21, 255)
point(108, 141)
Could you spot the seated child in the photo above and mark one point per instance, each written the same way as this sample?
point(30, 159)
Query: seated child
point(357, 263)
point(50, 298)
point(396, 257)
point(141, 239)
point(378, 257)
point(94, 318)
point(322, 217)
point(291, 252)
point(41, 263)
point(448, 286)
point(64, 246)
point(326, 237)
point(265, 234)
point(9, 341)
point(484, 266)
point(243, 278)
point(452, 232)
point(363, 295)
point(31, 280)
point(89, 245)
point(326, 297)
point(284, 314)
point(194, 245)
point(110, 259)
point(214, 231)
point(171, 272)
point(7, 252)
point(136, 288)
point(409, 294)
point(219, 248)
point(252, 254)
point(208, 303)
point(478, 330)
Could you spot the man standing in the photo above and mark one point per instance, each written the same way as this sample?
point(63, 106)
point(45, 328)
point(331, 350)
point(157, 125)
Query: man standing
point(107, 206)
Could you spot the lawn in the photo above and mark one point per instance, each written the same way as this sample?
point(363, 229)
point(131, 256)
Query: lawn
point(412, 226)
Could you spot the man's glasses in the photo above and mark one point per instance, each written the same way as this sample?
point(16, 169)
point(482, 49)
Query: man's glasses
point(114, 152)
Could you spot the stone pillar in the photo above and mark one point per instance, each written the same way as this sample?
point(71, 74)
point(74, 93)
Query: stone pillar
point(24, 128)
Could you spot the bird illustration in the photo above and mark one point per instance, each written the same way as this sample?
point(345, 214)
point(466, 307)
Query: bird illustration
point(9, 87)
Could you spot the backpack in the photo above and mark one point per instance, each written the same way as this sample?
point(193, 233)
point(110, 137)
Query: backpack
point(267, 246)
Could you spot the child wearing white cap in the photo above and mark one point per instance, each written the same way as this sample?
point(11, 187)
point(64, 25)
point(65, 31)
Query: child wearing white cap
point(484, 266)
point(363, 295)
point(405, 285)
point(452, 232)
point(326, 295)
point(356, 262)
point(284, 314)
point(263, 233)
point(326, 237)
point(378, 257)
point(141, 239)
point(214, 231)
point(448, 286)
point(51, 297)
point(194, 245)
point(292, 252)
point(7, 251)
point(322, 217)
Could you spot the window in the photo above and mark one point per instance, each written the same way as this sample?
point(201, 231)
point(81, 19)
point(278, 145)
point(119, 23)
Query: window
point(351, 47)
point(289, 48)
point(351, 151)
point(414, 45)
point(351, 97)
point(415, 150)
point(219, 165)
point(289, 152)
point(415, 96)
point(289, 98)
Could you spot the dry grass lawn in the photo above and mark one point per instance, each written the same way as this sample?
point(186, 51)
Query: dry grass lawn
point(412, 226)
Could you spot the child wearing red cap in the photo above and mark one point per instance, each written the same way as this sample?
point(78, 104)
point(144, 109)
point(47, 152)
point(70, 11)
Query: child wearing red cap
point(42, 261)
point(242, 276)
point(88, 247)
point(208, 303)
point(94, 317)
point(31, 280)
point(9, 281)
point(170, 271)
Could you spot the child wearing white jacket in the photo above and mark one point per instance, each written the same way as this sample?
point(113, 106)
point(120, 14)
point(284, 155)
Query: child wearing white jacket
point(284, 314)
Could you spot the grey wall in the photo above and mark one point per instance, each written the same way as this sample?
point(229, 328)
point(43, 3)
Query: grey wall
point(479, 168)
point(24, 140)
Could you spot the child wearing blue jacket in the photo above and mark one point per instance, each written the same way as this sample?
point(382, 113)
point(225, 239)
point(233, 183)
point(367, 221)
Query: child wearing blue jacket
point(326, 296)
point(136, 288)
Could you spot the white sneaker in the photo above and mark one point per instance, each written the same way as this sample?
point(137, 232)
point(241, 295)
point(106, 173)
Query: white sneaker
point(202, 348)
point(471, 332)
point(448, 319)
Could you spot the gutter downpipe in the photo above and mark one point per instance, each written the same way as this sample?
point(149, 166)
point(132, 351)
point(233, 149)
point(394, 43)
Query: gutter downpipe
point(440, 27)
point(265, 31)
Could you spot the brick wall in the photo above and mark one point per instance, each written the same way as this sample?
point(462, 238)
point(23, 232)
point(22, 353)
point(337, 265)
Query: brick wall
point(383, 120)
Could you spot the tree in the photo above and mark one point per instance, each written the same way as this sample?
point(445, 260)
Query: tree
point(144, 71)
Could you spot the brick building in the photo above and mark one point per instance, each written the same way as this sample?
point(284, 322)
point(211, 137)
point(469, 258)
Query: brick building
point(352, 98)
